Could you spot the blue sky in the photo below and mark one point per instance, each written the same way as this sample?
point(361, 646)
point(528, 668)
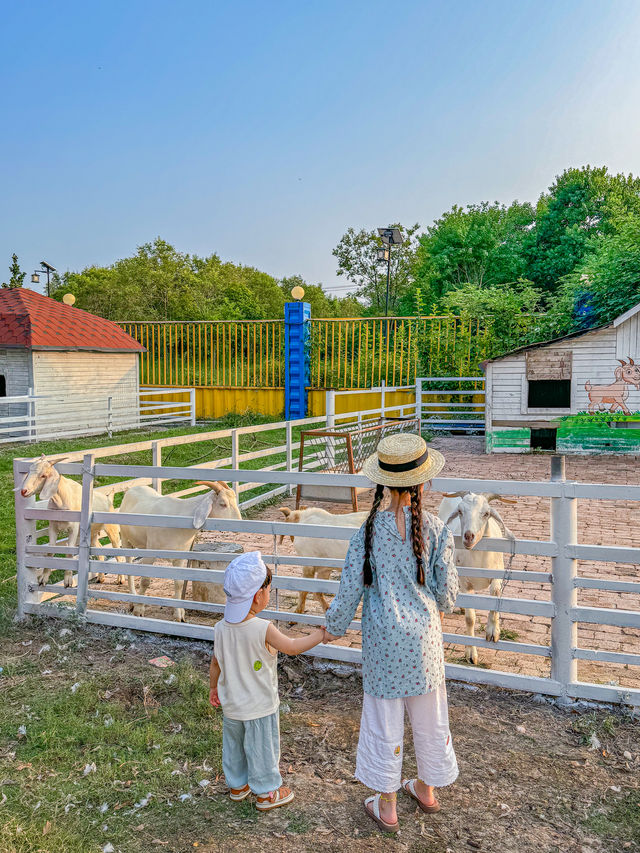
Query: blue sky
point(262, 130)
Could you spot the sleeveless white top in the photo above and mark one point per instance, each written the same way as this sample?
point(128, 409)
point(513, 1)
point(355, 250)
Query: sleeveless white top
point(248, 683)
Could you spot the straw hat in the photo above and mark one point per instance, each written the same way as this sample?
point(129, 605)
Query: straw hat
point(403, 459)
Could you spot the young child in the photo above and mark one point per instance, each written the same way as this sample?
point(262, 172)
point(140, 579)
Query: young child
point(244, 681)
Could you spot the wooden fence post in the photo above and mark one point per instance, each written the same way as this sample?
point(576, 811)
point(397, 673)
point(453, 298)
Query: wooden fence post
point(156, 451)
point(564, 631)
point(25, 536)
point(84, 541)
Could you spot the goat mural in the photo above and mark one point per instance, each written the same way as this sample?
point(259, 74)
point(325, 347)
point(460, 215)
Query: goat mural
point(616, 394)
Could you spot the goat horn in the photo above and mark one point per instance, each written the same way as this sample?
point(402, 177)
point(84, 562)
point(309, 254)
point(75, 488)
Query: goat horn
point(631, 361)
point(216, 487)
point(456, 494)
point(622, 362)
point(492, 496)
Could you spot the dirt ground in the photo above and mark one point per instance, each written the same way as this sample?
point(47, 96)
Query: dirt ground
point(599, 522)
point(534, 778)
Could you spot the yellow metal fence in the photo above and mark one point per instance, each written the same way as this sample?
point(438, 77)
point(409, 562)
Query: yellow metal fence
point(345, 353)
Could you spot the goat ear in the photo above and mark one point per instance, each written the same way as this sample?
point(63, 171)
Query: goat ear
point(285, 511)
point(202, 510)
point(505, 530)
point(618, 372)
point(50, 487)
point(452, 516)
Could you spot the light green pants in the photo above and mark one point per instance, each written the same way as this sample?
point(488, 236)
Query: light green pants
point(251, 753)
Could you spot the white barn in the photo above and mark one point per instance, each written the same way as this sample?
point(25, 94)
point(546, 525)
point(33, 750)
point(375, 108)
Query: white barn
point(82, 369)
point(532, 392)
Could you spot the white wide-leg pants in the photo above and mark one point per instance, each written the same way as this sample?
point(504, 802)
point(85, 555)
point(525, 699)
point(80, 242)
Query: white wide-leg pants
point(380, 746)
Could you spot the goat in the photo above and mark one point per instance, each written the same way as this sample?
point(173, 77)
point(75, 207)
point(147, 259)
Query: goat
point(616, 394)
point(220, 502)
point(43, 479)
point(324, 548)
point(470, 516)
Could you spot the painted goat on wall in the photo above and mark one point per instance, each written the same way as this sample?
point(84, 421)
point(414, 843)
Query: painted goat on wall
point(615, 394)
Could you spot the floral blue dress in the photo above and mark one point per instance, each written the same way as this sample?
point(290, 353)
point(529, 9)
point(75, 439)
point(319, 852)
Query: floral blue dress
point(402, 653)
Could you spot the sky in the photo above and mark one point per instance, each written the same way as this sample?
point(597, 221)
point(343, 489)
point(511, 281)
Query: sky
point(262, 130)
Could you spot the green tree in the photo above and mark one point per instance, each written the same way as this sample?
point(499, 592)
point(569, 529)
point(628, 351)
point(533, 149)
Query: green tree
point(322, 304)
point(605, 285)
point(508, 312)
point(17, 276)
point(482, 245)
point(582, 206)
point(357, 254)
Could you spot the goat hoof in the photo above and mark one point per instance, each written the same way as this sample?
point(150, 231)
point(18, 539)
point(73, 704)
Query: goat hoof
point(180, 615)
point(493, 636)
point(120, 579)
point(472, 656)
point(138, 609)
point(101, 577)
point(68, 579)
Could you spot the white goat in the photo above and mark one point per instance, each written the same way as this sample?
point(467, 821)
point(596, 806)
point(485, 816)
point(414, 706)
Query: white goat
point(43, 479)
point(471, 517)
point(220, 502)
point(325, 548)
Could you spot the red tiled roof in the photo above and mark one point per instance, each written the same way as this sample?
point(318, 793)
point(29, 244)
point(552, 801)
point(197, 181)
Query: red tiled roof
point(29, 319)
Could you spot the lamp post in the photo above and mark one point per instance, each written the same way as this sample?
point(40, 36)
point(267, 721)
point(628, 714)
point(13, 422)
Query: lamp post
point(390, 237)
point(45, 268)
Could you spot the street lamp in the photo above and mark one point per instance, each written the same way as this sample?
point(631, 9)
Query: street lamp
point(390, 237)
point(46, 268)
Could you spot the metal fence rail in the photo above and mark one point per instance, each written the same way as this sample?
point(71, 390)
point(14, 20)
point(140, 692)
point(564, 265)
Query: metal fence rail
point(562, 610)
point(65, 417)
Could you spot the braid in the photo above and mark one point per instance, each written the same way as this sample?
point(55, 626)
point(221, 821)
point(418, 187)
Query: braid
point(416, 530)
point(368, 535)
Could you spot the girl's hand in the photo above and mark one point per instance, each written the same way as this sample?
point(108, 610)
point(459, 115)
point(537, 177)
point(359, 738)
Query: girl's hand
point(328, 637)
point(214, 698)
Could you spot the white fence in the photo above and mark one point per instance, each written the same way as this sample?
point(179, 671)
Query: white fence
point(65, 417)
point(452, 409)
point(562, 610)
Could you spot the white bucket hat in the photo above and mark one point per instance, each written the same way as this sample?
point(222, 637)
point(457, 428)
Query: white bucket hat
point(243, 577)
point(403, 459)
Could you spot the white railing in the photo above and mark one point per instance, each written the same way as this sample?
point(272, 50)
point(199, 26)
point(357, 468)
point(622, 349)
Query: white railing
point(562, 610)
point(64, 417)
point(451, 414)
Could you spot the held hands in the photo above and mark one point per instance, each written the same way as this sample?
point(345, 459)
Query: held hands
point(213, 697)
point(327, 638)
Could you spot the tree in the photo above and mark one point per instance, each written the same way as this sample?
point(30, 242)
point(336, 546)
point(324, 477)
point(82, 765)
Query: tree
point(603, 286)
point(322, 304)
point(508, 312)
point(582, 206)
point(482, 245)
point(357, 254)
point(17, 276)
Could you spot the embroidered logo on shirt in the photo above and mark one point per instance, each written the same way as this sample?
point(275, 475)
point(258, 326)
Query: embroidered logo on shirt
point(396, 751)
point(257, 665)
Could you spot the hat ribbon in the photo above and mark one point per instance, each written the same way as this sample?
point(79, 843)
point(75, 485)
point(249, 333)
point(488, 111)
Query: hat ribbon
point(404, 466)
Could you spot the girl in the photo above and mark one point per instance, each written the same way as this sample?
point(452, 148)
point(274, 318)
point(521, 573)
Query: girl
point(402, 561)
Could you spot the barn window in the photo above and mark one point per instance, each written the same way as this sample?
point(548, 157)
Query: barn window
point(549, 394)
point(3, 385)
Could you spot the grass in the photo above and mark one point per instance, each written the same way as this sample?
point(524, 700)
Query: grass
point(81, 775)
point(618, 820)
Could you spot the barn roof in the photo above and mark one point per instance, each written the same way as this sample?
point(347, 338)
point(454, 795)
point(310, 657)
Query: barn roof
point(29, 319)
point(613, 323)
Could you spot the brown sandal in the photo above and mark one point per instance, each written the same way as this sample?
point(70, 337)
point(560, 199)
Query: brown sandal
point(409, 786)
point(374, 814)
point(275, 799)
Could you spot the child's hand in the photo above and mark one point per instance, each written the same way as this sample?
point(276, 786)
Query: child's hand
point(328, 637)
point(214, 698)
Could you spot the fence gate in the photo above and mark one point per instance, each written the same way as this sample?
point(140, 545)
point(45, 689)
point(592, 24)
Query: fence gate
point(454, 404)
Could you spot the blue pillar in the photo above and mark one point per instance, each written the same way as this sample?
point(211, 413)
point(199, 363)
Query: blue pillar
point(297, 372)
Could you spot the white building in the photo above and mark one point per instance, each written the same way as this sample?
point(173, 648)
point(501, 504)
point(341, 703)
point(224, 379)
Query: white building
point(82, 369)
point(531, 391)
